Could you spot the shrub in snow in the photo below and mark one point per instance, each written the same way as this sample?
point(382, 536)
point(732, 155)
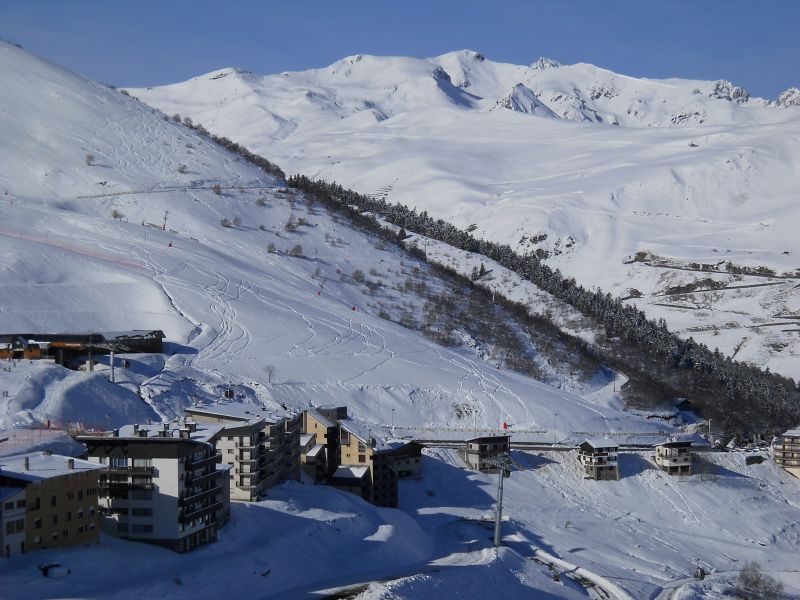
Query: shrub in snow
point(358, 275)
point(297, 250)
point(237, 221)
point(757, 584)
point(182, 168)
point(89, 159)
point(225, 222)
point(216, 188)
point(271, 248)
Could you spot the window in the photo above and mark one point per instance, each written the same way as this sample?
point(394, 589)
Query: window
point(362, 458)
point(20, 525)
point(52, 500)
point(80, 495)
point(55, 520)
point(142, 512)
point(34, 504)
point(37, 539)
point(80, 528)
point(21, 503)
point(91, 510)
point(8, 505)
point(230, 450)
point(69, 515)
point(9, 527)
point(80, 513)
point(91, 526)
point(55, 535)
point(37, 523)
point(65, 533)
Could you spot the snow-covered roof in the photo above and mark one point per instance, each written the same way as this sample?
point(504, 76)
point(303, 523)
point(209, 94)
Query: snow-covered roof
point(326, 422)
point(203, 432)
point(236, 410)
point(601, 443)
point(792, 432)
point(305, 438)
point(315, 450)
point(350, 472)
point(43, 465)
point(675, 442)
point(356, 429)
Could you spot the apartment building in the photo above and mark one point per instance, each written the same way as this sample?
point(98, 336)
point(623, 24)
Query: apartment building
point(599, 459)
point(786, 451)
point(313, 458)
point(261, 448)
point(55, 495)
point(674, 457)
point(480, 450)
point(164, 484)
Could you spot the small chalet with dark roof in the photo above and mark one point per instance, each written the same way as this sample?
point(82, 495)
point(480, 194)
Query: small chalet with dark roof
point(599, 459)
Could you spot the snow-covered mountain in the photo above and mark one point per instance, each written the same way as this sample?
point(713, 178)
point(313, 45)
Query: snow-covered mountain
point(256, 290)
point(677, 193)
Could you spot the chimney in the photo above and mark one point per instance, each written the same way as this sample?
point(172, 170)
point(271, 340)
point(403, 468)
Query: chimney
point(184, 433)
point(115, 433)
point(135, 427)
point(71, 463)
point(165, 427)
point(27, 463)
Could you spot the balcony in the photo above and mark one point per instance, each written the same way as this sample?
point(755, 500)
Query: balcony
point(186, 517)
point(111, 486)
point(193, 481)
point(198, 496)
point(204, 462)
point(147, 471)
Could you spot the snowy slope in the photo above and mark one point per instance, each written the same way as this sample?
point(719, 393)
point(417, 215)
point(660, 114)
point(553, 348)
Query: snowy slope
point(229, 307)
point(691, 172)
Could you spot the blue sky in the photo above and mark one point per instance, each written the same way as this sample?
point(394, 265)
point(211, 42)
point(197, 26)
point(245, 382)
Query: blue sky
point(142, 42)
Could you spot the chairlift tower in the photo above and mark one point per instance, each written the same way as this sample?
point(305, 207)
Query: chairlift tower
point(503, 463)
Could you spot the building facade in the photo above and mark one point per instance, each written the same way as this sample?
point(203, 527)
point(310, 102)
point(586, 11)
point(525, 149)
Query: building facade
point(12, 521)
point(59, 503)
point(479, 450)
point(599, 459)
point(161, 486)
point(261, 449)
point(786, 451)
point(674, 457)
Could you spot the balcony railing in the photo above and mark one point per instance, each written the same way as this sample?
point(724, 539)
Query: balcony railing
point(196, 497)
point(126, 470)
point(204, 462)
point(185, 516)
point(125, 485)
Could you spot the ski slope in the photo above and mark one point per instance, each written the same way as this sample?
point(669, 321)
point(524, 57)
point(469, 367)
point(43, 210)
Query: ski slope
point(82, 248)
point(586, 165)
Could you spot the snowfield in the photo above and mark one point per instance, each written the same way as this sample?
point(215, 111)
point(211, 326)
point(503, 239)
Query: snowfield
point(589, 166)
point(257, 291)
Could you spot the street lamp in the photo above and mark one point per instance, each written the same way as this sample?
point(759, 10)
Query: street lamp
point(392, 420)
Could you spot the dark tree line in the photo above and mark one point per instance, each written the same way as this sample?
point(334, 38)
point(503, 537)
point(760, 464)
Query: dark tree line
point(743, 398)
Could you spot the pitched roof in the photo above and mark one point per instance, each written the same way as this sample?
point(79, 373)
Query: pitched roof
point(326, 422)
point(601, 443)
point(350, 472)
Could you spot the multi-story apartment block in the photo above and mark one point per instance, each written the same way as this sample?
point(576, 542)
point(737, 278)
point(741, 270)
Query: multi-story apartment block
point(313, 458)
point(164, 484)
point(479, 452)
point(674, 457)
point(261, 449)
point(599, 459)
point(786, 451)
point(58, 501)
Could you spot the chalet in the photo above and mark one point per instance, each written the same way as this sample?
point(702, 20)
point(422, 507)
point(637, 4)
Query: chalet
point(163, 485)
point(674, 457)
point(48, 501)
point(353, 479)
point(479, 449)
point(786, 451)
point(599, 459)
